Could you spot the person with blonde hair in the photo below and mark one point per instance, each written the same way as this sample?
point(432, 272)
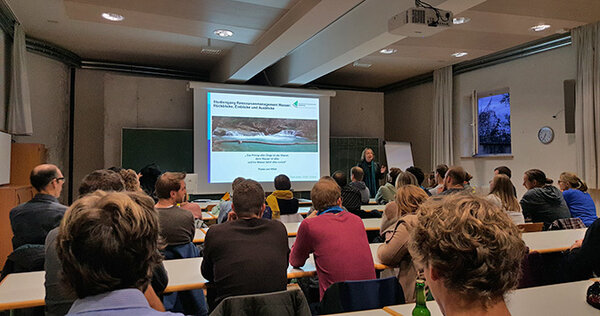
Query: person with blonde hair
point(471, 253)
point(580, 202)
point(406, 178)
point(501, 194)
point(373, 171)
point(394, 251)
point(387, 192)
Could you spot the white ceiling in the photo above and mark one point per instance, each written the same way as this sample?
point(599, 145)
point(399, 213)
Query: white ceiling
point(295, 41)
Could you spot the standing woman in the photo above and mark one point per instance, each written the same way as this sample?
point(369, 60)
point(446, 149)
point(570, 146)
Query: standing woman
point(373, 171)
point(501, 194)
point(580, 202)
point(542, 202)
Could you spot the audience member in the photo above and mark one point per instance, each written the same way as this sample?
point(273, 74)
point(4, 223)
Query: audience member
point(542, 202)
point(580, 202)
point(468, 275)
point(108, 246)
point(405, 178)
point(176, 224)
point(225, 206)
point(501, 195)
point(102, 179)
point(282, 201)
point(420, 176)
point(149, 175)
point(505, 171)
point(582, 261)
point(31, 221)
point(350, 195)
point(454, 181)
point(387, 192)
point(336, 237)
point(440, 173)
point(372, 170)
point(131, 180)
point(467, 184)
point(394, 251)
point(247, 254)
point(356, 181)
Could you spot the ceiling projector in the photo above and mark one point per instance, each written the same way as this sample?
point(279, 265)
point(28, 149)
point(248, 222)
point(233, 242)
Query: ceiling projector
point(420, 22)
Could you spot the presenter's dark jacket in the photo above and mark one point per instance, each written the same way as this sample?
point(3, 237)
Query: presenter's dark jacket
point(32, 221)
point(245, 256)
point(372, 175)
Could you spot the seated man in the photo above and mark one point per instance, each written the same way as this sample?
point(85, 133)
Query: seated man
point(224, 207)
point(583, 259)
point(351, 198)
point(176, 224)
point(356, 181)
point(336, 237)
point(454, 181)
point(32, 221)
point(468, 275)
point(247, 254)
point(282, 201)
point(108, 245)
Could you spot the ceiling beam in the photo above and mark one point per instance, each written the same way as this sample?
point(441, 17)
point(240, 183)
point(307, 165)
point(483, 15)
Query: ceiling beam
point(299, 24)
point(358, 33)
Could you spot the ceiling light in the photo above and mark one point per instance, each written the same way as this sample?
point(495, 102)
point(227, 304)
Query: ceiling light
point(388, 51)
point(461, 20)
point(460, 54)
point(211, 51)
point(112, 16)
point(223, 33)
point(361, 64)
point(540, 27)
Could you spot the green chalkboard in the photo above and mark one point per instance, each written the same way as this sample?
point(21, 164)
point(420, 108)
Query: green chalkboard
point(344, 152)
point(170, 149)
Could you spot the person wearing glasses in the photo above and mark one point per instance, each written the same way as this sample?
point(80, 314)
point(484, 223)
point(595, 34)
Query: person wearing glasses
point(31, 221)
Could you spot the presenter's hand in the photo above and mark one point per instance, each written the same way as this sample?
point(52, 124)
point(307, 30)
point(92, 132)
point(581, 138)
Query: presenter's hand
point(383, 169)
point(311, 215)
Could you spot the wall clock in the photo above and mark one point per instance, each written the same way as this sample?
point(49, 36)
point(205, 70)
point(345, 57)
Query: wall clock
point(546, 135)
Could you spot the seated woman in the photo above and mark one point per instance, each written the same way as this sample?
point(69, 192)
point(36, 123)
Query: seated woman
point(501, 194)
point(387, 192)
point(580, 202)
point(542, 202)
point(403, 179)
point(471, 253)
point(282, 201)
point(394, 252)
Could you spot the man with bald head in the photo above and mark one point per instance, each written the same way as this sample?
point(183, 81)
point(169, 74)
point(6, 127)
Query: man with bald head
point(32, 221)
point(335, 236)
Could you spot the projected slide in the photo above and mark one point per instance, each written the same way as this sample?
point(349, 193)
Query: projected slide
point(259, 137)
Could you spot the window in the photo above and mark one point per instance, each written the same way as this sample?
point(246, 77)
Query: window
point(492, 123)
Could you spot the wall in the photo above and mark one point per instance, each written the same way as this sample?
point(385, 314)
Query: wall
point(536, 90)
point(408, 115)
point(4, 77)
point(88, 140)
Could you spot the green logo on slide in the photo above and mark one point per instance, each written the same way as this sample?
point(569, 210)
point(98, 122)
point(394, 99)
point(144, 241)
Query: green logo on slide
point(295, 104)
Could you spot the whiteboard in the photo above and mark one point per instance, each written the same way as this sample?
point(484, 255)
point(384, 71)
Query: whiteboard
point(399, 155)
point(4, 158)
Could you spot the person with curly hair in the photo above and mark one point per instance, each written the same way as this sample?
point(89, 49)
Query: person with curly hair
point(394, 251)
point(471, 253)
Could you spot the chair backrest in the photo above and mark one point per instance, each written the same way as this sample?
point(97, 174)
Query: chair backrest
point(288, 206)
point(567, 223)
point(351, 296)
point(183, 251)
point(290, 302)
point(531, 227)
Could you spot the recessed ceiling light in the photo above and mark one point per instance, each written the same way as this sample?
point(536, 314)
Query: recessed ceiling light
point(540, 27)
point(211, 51)
point(361, 64)
point(460, 54)
point(223, 33)
point(112, 16)
point(388, 51)
point(461, 20)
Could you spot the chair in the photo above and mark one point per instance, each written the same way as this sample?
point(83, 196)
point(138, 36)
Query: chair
point(26, 258)
point(531, 227)
point(282, 303)
point(191, 302)
point(567, 223)
point(351, 296)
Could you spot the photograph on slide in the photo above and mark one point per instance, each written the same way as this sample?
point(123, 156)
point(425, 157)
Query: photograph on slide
point(264, 134)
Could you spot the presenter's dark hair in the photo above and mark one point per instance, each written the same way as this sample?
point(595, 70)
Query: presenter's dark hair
point(340, 178)
point(248, 198)
point(282, 182)
point(418, 173)
point(504, 170)
point(41, 177)
point(103, 179)
point(109, 241)
point(167, 182)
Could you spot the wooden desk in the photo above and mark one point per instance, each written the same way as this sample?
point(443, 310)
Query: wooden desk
point(371, 312)
point(199, 235)
point(22, 290)
point(552, 241)
point(206, 216)
point(370, 224)
point(205, 204)
point(557, 299)
point(304, 210)
point(307, 202)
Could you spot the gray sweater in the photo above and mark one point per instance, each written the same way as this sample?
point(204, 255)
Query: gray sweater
point(545, 204)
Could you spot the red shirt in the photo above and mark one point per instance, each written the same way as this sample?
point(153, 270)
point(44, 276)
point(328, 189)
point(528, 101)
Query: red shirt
point(340, 246)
